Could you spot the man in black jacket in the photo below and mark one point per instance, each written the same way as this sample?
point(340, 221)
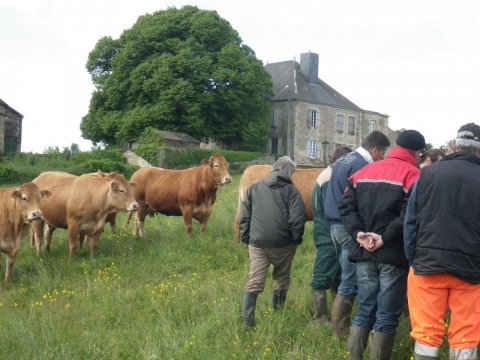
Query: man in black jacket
point(272, 222)
point(442, 245)
point(372, 210)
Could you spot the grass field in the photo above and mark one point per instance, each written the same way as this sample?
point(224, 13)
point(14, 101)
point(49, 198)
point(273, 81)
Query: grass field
point(165, 296)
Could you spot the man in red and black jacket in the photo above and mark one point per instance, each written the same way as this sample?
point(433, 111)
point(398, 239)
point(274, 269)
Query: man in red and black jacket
point(372, 210)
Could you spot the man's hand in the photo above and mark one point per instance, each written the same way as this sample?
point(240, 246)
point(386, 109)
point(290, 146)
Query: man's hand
point(365, 240)
point(369, 241)
point(377, 241)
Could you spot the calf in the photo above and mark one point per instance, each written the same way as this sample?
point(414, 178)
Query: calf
point(18, 208)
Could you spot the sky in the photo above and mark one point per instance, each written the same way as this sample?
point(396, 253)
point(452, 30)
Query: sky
point(416, 60)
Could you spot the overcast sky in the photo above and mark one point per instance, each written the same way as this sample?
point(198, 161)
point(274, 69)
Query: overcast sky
point(416, 60)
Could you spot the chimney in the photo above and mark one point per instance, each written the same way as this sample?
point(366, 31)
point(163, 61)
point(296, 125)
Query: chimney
point(309, 67)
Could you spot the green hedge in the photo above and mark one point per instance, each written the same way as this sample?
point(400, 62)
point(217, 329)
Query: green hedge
point(184, 158)
point(24, 167)
point(8, 175)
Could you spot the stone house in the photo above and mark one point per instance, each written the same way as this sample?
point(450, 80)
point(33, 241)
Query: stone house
point(310, 119)
point(10, 128)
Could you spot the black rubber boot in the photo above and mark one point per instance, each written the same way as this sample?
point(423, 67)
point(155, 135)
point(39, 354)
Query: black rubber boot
point(319, 301)
point(382, 346)
point(341, 311)
point(278, 299)
point(248, 309)
point(357, 342)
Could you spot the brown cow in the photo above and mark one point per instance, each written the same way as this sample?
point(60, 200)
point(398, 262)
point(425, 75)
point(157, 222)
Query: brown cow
point(189, 193)
point(83, 204)
point(61, 190)
point(18, 208)
point(303, 179)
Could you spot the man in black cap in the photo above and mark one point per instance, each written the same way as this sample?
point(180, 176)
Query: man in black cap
point(442, 245)
point(372, 210)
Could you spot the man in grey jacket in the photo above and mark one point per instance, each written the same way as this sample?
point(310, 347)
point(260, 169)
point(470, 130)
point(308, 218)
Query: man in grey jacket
point(272, 222)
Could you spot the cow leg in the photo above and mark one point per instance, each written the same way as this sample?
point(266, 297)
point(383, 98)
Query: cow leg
point(187, 218)
point(9, 264)
point(112, 219)
point(203, 224)
point(93, 239)
point(73, 235)
point(48, 237)
point(140, 218)
point(37, 235)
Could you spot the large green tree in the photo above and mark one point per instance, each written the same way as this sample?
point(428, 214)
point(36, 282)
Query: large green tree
point(181, 70)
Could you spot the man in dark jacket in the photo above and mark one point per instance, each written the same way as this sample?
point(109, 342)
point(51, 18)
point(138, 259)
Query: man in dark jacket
point(372, 210)
point(373, 149)
point(272, 222)
point(442, 245)
point(326, 270)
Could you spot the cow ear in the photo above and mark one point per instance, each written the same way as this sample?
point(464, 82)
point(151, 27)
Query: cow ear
point(133, 185)
point(16, 194)
point(205, 162)
point(114, 185)
point(45, 193)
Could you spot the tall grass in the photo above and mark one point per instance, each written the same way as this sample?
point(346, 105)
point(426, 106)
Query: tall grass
point(165, 296)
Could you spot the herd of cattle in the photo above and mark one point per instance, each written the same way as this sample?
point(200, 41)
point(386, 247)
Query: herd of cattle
point(84, 204)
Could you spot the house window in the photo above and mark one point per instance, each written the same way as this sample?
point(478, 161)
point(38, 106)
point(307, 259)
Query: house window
point(372, 126)
point(312, 119)
point(274, 119)
point(351, 125)
point(274, 146)
point(312, 146)
point(340, 123)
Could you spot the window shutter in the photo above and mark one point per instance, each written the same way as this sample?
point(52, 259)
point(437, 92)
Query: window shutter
point(309, 116)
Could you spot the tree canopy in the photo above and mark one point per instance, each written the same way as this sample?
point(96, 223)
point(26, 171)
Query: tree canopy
point(180, 70)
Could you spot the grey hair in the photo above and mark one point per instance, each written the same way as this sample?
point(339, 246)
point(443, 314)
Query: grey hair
point(466, 139)
point(284, 164)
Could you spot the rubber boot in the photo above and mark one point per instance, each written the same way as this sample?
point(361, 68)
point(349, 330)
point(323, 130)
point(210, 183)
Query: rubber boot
point(382, 346)
point(248, 309)
point(357, 342)
point(319, 301)
point(341, 311)
point(278, 299)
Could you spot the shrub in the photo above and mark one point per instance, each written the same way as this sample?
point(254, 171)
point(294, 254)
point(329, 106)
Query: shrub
point(106, 165)
point(8, 175)
point(193, 157)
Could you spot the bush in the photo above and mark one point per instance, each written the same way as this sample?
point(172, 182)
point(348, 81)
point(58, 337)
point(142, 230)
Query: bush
point(106, 165)
point(8, 175)
point(193, 157)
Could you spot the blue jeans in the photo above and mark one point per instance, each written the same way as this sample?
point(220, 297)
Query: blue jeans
point(343, 241)
point(381, 296)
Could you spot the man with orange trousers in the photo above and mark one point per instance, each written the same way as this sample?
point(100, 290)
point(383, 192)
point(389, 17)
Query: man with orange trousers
point(442, 245)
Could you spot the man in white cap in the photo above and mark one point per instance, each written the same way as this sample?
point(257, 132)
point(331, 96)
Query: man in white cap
point(442, 245)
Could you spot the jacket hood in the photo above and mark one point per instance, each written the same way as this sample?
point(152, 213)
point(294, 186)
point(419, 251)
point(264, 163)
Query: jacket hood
point(403, 154)
point(277, 179)
point(463, 155)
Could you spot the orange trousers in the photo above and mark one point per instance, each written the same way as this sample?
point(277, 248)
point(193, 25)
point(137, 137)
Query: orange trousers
point(428, 297)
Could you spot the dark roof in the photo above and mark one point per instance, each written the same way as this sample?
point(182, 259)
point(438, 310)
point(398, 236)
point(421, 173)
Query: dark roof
point(9, 107)
point(289, 83)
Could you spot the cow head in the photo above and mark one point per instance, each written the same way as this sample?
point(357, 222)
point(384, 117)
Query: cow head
point(121, 194)
point(28, 198)
point(218, 169)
